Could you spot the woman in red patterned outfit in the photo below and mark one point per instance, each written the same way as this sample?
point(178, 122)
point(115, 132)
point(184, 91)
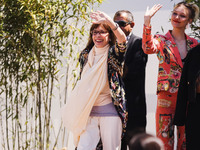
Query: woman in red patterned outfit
point(171, 49)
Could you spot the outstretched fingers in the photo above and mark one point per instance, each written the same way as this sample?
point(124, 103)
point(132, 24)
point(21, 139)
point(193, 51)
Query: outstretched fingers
point(98, 16)
point(153, 10)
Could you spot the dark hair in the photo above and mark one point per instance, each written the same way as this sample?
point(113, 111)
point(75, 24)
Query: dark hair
point(90, 43)
point(193, 9)
point(129, 15)
point(144, 141)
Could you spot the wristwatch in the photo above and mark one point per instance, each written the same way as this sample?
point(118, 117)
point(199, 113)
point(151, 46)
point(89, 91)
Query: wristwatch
point(116, 26)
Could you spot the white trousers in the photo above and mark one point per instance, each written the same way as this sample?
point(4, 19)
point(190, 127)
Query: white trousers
point(109, 129)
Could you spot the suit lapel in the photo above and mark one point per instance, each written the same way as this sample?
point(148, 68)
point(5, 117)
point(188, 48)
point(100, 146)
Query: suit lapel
point(174, 49)
point(130, 40)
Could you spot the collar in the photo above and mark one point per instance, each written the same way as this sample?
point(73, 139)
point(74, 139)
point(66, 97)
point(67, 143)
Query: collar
point(128, 37)
point(175, 51)
point(101, 51)
point(170, 37)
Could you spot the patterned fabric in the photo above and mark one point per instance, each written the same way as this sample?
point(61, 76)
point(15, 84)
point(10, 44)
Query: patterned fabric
point(115, 71)
point(169, 74)
point(170, 63)
point(166, 105)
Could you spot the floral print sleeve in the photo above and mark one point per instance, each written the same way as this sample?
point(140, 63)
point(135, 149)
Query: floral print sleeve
point(83, 57)
point(116, 57)
point(119, 51)
point(150, 44)
point(120, 48)
point(115, 71)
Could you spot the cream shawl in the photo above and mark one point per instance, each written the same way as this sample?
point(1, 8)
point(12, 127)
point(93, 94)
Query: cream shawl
point(76, 112)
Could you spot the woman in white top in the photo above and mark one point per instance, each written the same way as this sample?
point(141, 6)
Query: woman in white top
point(96, 107)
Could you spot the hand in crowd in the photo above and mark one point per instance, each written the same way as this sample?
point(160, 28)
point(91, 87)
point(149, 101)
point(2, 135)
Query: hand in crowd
point(150, 13)
point(99, 17)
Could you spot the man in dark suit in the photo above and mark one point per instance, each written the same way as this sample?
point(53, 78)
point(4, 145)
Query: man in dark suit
point(134, 78)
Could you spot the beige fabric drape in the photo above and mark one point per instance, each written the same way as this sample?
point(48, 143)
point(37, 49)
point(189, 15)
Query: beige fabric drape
point(76, 112)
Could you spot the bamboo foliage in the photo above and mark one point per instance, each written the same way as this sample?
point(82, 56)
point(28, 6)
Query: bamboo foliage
point(39, 45)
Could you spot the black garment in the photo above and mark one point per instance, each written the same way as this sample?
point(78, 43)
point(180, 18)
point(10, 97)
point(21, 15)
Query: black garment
point(192, 125)
point(134, 80)
point(188, 101)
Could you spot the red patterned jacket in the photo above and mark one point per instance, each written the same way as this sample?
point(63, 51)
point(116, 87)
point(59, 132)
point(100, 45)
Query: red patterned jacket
point(170, 63)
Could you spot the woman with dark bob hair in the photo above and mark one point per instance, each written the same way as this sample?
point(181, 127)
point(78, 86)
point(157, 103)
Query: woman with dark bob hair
point(96, 108)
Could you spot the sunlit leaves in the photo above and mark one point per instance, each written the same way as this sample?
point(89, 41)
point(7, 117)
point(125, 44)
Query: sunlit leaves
point(196, 25)
point(35, 37)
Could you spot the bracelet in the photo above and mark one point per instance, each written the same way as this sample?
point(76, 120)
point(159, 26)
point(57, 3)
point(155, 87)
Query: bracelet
point(115, 27)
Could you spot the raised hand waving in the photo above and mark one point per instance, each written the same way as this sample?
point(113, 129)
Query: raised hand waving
point(150, 13)
point(99, 17)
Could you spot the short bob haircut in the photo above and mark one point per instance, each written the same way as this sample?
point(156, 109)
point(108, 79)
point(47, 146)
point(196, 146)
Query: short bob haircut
point(112, 37)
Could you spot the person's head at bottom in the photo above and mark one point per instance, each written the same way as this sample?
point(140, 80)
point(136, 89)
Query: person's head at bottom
point(145, 141)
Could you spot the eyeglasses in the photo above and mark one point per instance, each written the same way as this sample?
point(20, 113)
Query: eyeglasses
point(122, 23)
point(95, 32)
